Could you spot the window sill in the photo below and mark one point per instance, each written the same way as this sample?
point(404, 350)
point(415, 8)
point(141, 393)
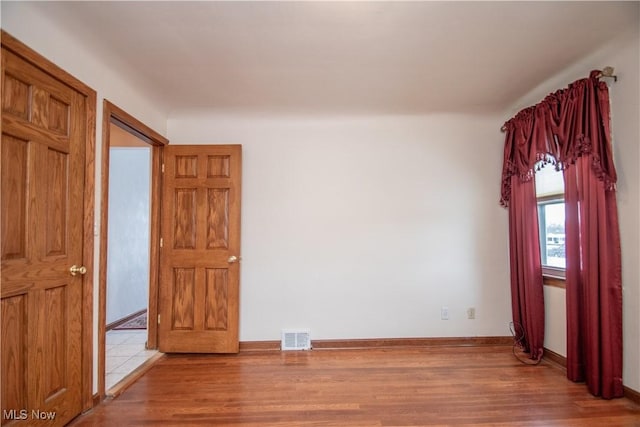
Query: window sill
point(555, 281)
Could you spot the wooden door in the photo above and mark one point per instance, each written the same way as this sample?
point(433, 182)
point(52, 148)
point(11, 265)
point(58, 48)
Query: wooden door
point(43, 174)
point(199, 276)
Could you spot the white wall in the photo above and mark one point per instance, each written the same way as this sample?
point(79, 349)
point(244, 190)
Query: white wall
point(555, 322)
point(129, 231)
point(29, 25)
point(622, 54)
point(363, 227)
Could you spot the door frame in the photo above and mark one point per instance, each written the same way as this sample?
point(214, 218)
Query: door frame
point(114, 114)
point(39, 61)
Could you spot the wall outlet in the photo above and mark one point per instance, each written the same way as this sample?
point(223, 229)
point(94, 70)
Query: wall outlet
point(471, 313)
point(444, 313)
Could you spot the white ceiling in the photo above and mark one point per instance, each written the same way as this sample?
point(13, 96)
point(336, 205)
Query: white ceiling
point(341, 57)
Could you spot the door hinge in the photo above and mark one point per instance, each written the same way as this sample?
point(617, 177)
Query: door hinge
point(158, 319)
point(161, 242)
point(162, 168)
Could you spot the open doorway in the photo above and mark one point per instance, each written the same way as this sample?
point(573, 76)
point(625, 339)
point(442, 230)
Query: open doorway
point(128, 243)
point(129, 248)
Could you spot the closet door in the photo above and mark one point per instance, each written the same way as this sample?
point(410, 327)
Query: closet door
point(43, 177)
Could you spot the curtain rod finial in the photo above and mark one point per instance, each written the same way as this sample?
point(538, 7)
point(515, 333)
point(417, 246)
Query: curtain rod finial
point(608, 72)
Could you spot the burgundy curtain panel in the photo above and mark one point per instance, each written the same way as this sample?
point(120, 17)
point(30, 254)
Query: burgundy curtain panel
point(527, 297)
point(569, 129)
point(518, 193)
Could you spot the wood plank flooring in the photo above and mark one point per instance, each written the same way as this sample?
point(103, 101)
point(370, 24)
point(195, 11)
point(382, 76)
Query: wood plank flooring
point(438, 386)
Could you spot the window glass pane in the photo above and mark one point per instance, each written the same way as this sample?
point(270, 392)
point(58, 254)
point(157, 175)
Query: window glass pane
point(549, 181)
point(552, 239)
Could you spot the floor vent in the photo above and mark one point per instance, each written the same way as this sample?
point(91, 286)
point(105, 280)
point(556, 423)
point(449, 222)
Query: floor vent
point(296, 339)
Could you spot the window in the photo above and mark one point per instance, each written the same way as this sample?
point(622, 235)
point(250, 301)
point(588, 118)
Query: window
point(550, 194)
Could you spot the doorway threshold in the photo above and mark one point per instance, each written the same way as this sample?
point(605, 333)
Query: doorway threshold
point(133, 376)
point(125, 355)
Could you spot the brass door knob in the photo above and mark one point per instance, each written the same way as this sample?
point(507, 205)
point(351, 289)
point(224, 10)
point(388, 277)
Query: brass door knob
point(232, 259)
point(75, 270)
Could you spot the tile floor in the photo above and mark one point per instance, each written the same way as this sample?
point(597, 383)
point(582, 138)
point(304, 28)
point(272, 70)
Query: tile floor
point(125, 351)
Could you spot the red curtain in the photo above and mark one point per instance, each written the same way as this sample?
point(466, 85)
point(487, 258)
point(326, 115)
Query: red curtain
point(570, 129)
point(527, 297)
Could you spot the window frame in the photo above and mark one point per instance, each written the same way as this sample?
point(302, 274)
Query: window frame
point(547, 270)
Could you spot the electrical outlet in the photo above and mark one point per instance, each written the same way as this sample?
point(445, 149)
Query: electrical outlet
point(444, 313)
point(471, 313)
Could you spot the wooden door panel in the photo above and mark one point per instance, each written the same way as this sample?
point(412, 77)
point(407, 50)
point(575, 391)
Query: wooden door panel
point(217, 296)
point(42, 170)
point(14, 324)
point(217, 218)
point(218, 166)
point(56, 203)
point(184, 232)
point(183, 289)
point(54, 337)
point(14, 198)
point(57, 346)
point(186, 166)
point(201, 229)
point(15, 100)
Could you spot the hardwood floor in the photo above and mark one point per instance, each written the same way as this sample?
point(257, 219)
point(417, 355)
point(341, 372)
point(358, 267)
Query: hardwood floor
point(436, 386)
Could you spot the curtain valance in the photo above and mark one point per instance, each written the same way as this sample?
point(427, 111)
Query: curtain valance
point(564, 126)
